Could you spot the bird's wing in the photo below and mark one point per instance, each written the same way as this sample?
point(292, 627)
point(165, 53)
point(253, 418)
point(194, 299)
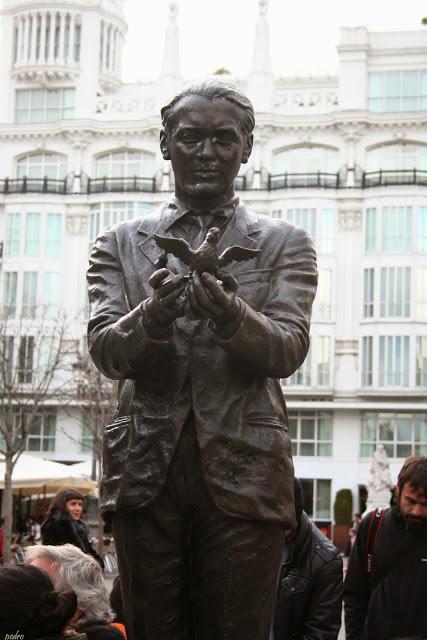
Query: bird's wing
point(237, 254)
point(177, 246)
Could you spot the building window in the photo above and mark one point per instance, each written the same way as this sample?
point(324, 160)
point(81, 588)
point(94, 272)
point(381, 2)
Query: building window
point(42, 165)
point(317, 498)
point(319, 224)
point(397, 91)
point(44, 105)
point(370, 230)
point(29, 294)
point(421, 367)
point(368, 293)
point(302, 376)
point(395, 290)
point(108, 213)
point(421, 234)
point(311, 433)
point(86, 437)
point(322, 308)
point(53, 234)
point(6, 357)
point(306, 160)
point(25, 360)
point(13, 234)
point(42, 433)
point(277, 214)
point(421, 295)
point(51, 293)
point(10, 287)
point(393, 361)
point(396, 230)
point(397, 157)
point(402, 434)
point(323, 361)
point(126, 164)
point(367, 358)
point(32, 234)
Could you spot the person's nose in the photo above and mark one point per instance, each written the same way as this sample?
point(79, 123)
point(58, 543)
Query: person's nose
point(416, 510)
point(207, 148)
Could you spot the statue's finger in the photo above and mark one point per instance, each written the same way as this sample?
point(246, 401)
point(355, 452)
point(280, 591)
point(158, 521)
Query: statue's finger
point(157, 277)
point(215, 290)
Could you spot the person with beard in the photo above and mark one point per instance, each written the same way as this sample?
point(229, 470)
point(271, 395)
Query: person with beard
point(384, 590)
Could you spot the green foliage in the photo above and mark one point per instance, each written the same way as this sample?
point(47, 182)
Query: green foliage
point(343, 507)
point(222, 71)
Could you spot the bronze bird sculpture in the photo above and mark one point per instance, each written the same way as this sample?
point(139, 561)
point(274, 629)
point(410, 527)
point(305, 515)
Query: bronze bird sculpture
point(205, 258)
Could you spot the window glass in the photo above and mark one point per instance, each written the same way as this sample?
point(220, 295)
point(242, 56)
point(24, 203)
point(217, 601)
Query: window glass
point(302, 376)
point(368, 293)
point(322, 308)
point(394, 361)
point(370, 230)
point(397, 90)
point(53, 234)
point(397, 229)
point(44, 105)
point(326, 231)
point(41, 165)
point(126, 164)
point(421, 361)
point(306, 160)
point(10, 287)
point(29, 294)
point(422, 229)
point(323, 360)
point(13, 234)
point(108, 213)
point(311, 433)
point(50, 293)
point(367, 352)
point(421, 294)
point(402, 434)
point(32, 234)
point(395, 292)
point(25, 360)
point(323, 500)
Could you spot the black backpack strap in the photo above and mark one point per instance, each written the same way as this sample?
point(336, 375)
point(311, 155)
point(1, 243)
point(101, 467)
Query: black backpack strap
point(373, 531)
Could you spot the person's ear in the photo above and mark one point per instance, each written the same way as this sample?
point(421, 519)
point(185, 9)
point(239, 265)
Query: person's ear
point(164, 146)
point(249, 143)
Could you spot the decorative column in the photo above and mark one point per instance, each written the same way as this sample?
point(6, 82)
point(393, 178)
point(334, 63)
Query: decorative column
point(34, 19)
point(116, 44)
point(26, 38)
point(61, 53)
point(349, 250)
point(260, 86)
point(104, 48)
point(110, 48)
point(70, 53)
point(52, 34)
point(42, 53)
point(19, 42)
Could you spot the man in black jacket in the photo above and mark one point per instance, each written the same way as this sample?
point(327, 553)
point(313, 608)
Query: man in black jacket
point(385, 587)
point(309, 601)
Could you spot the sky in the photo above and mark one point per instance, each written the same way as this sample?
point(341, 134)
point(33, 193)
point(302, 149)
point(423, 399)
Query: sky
point(220, 33)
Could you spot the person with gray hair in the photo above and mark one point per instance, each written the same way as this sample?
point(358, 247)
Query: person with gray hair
point(72, 570)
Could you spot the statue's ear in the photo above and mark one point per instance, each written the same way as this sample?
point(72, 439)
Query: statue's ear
point(164, 146)
point(249, 143)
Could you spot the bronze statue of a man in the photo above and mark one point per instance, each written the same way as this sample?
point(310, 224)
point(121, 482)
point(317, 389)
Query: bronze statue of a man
point(199, 476)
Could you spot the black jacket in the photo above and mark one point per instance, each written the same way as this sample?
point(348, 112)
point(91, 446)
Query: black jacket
point(60, 528)
point(391, 601)
point(309, 601)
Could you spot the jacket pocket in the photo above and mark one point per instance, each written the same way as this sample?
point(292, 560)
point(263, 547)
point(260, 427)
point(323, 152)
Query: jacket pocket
point(115, 449)
point(294, 584)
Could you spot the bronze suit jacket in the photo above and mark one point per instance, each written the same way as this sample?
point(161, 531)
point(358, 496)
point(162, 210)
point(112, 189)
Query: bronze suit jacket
point(232, 386)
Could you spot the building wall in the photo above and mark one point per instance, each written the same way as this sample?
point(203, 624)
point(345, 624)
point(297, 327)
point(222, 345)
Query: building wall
point(330, 117)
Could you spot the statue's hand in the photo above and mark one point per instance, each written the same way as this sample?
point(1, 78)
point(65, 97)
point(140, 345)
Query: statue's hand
point(167, 302)
point(208, 299)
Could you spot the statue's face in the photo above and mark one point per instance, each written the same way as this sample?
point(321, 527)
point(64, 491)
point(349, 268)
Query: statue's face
point(206, 146)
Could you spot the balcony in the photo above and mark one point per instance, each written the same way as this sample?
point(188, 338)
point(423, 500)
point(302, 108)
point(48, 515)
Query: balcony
point(394, 178)
point(82, 185)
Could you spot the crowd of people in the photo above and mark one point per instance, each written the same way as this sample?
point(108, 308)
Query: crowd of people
point(59, 591)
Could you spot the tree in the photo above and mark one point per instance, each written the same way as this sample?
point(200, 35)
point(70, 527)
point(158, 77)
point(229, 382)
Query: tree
point(96, 398)
point(343, 507)
point(34, 372)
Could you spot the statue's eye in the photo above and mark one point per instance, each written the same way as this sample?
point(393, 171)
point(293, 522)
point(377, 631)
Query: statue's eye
point(190, 136)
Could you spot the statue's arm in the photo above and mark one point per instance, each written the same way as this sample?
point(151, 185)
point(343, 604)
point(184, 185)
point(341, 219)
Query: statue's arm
point(118, 342)
point(275, 341)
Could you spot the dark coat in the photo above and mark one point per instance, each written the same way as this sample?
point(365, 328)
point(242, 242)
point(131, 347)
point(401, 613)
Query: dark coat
point(391, 602)
point(61, 529)
point(232, 386)
point(309, 602)
point(102, 632)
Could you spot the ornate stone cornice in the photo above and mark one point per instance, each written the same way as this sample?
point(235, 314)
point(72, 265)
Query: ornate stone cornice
point(350, 214)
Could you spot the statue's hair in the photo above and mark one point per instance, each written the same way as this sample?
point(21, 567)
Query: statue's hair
point(213, 89)
point(79, 573)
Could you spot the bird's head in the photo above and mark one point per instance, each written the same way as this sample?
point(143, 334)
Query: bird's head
point(212, 235)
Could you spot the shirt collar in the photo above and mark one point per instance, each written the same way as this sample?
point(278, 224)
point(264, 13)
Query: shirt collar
point(175, 210)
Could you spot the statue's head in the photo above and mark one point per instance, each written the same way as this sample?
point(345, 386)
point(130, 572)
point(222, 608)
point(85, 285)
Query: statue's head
point(207, 135)
point(212, 235)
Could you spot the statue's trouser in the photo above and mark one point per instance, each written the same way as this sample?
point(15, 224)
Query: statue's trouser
point(191, 572)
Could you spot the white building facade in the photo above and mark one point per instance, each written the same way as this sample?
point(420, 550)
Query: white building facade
point(343, 156)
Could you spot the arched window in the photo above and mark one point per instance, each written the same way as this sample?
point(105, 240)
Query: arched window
point(306, 160)
point(397, 157)
point(42, 165)
point(126, 164)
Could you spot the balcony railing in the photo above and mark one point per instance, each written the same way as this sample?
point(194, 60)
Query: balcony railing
point(84, 185)
point(121, 185)
point(33, 185)
point(390, 178)
point(304, 181)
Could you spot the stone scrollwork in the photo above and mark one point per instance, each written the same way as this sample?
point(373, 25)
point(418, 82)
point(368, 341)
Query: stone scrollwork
point(76, 224)
point(350, 219)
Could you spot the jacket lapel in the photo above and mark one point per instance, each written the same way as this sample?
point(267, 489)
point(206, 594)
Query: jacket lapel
point(243, 230)
point(148, 246)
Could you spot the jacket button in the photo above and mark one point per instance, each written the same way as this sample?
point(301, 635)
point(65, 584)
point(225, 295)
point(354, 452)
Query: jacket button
point(317, 546)
point(292, 588)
